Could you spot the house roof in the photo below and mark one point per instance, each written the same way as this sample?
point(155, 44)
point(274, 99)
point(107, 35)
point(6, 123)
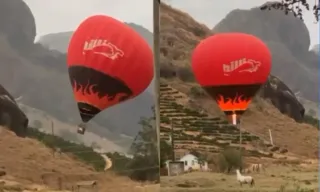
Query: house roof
point(189, 156)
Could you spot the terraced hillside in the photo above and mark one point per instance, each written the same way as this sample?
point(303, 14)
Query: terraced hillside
point(194, 130)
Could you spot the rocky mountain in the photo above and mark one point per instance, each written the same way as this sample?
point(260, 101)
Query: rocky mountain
point(11, 116)
point(60, 41)
point(185, 34)
point(56, 41)
point(39, 75)
point(289, 41)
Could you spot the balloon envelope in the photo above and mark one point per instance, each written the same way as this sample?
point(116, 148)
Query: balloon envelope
point(108, 63)
point(231, 67)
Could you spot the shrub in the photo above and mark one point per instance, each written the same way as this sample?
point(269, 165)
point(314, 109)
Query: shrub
point(80, 151)
point(222, 163)
point(230, 159)
point(167, 71)
point(311, 121)
point(197, 92)
point(185, 74)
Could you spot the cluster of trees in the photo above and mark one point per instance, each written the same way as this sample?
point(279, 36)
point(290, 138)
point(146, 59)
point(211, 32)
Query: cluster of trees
point(143, 165)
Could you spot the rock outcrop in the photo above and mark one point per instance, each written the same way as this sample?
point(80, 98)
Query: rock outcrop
point(283, 98)
point(17, 23)
point(11, 116)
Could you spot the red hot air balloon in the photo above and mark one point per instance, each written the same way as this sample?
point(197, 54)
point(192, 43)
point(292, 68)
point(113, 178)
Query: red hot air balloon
point(108, 63)
point(232, 67)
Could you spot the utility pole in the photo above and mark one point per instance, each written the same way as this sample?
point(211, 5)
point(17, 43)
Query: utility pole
point(240, 135)
point(240, 138)
point(172, 141)
point(236, 123)
point(52, 127)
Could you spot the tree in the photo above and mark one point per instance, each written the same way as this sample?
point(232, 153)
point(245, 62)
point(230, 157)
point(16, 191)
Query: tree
point(145, 162)
point(295, 7)
point(230, 159)
point(165, 152)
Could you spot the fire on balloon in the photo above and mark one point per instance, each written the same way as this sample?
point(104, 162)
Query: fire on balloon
point(233, 107)
point(233, 100)
point(88, 94)
point(238, 103)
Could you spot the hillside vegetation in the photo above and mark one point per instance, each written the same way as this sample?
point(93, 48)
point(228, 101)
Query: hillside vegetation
point(28, 159)
point(203, 129)
point(46, 159)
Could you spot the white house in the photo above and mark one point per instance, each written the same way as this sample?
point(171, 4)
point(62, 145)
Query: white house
point(191, 163)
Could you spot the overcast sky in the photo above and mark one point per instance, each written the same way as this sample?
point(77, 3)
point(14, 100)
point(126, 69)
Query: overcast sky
point(211, 12)
point(65, 15)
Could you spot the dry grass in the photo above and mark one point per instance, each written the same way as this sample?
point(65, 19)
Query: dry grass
point(29, 165)
point(13, 186)
point(276, 178)
point(29, 159)
point(298, 138)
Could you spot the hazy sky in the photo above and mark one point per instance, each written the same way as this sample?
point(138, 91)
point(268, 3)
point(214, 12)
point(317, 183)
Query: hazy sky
point(65, 15)
point(211, 12)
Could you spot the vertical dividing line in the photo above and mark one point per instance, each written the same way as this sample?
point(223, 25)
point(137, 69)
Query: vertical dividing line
point(318, 93)
point(156, 33)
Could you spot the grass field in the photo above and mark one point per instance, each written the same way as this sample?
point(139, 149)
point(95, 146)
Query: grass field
point(275, 179)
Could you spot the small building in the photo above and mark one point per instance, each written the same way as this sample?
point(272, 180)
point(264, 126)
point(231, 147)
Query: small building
point(192, 162)
point(175, 168)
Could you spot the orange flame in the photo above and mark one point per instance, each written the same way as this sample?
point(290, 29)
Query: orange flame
point(86, 94)
point(235, 104)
